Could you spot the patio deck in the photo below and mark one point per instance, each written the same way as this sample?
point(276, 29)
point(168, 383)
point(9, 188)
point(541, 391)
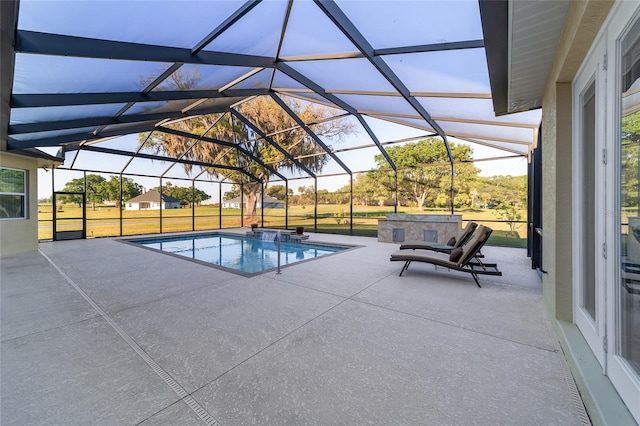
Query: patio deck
point(100, 332)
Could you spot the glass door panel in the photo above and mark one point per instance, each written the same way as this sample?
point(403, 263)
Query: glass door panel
point(588, 208)
point(629, 201)
point(623, 293)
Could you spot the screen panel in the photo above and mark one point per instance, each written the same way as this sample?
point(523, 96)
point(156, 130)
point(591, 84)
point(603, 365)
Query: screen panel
point(33, 74)
point(122, 21)
point(427, 21)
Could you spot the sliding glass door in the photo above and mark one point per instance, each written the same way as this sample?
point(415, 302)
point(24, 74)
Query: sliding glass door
point(624, 320)
point(590, 181)
point(606, 201)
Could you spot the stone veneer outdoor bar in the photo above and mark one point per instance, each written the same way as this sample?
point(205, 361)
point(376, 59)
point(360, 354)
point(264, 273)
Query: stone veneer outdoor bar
point(414, 225)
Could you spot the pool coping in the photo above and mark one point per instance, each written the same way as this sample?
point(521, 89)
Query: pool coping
point(130, 241)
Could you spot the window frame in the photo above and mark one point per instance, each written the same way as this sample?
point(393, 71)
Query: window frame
point(24, 194)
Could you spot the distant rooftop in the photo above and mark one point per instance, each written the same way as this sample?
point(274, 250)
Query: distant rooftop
point(153, 196)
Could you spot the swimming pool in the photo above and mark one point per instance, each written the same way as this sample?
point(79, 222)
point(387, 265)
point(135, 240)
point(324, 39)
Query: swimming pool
point(243, 255)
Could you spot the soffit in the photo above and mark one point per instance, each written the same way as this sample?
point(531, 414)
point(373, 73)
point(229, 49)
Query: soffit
point(521, 39)
point(535, 29)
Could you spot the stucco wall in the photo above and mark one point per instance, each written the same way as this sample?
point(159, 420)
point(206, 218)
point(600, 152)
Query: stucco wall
point(556, 204)
point(549, 198)
point(21, 235)
point(583, 22)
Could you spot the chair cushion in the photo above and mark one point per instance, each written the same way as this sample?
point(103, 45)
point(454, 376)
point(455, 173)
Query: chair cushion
point(456, 254)
point(452, 241)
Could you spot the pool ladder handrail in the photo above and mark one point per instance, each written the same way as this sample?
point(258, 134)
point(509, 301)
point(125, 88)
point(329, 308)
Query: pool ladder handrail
point(278, 238)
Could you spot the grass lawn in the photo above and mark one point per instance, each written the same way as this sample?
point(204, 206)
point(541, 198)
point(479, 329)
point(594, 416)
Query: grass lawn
point(105, 220)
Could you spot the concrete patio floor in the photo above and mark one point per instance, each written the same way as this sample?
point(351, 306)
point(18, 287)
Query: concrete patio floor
point(101, 332)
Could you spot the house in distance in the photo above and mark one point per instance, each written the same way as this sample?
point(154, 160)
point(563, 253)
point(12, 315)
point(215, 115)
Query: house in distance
point(269, 203)
point(150, 200)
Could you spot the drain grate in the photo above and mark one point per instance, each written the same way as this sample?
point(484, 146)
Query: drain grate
point(578, 405)
point(175, 386)
point(573, 390)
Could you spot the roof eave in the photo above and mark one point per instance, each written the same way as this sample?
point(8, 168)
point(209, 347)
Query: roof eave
point(44, 160)
point(495, 28)
point(8, 26)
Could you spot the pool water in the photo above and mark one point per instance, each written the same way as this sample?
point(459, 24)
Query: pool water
point(243, 254)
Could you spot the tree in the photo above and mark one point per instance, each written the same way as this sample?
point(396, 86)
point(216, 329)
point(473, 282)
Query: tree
point(509, 189)
point(629, 156)
point(486, 197)
point(371, 187)
point(340, 195)
point(510, 214)
point(497, 190)
point(267, 116)
point(186, 195)
point(130, 189)
point(473, 194)
point(95, 191)
point(442, 200)
point(167, 189)
point(200, 196)
point(423, 168)
point(461, 200)
point(279, 192)
point(189, 196)
point(378, 185)
point(306, 195)
point(323, 196)
point(230, 195)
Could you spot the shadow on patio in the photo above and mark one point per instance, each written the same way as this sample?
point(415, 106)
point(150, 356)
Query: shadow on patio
point(339, 340)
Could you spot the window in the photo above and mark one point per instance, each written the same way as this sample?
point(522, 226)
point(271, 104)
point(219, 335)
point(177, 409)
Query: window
point(13, 193)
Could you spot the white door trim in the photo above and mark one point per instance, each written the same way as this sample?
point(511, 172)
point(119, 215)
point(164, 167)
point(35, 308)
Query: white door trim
point(592, 70)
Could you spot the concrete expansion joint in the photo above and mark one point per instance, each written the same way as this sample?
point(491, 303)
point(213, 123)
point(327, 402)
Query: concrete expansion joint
point(47, 330)
point(295, 329)
point(555, 350)
point(166, 377)
point(270, 345)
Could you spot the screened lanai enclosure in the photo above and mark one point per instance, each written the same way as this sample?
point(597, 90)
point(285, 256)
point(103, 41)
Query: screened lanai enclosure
point(282, 113)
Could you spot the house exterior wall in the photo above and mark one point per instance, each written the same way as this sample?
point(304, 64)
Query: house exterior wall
point(152, 206)
point(556, 201)
point(583, 23)
point(228, 205)
point(21, 235)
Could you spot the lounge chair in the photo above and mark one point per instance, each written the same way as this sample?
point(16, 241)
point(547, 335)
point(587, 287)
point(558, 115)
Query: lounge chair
point(458, 241)
point(463, 259)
